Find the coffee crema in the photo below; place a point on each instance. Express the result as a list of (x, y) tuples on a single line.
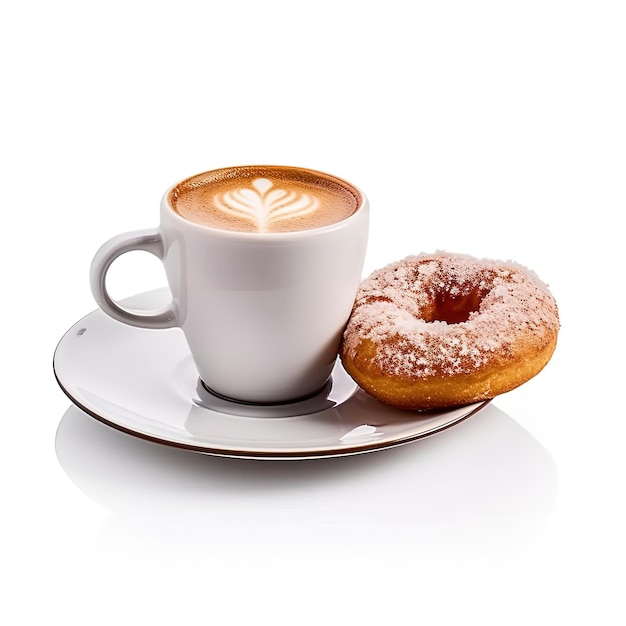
[(264, 199)]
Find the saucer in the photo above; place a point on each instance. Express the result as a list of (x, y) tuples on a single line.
[(144, 383)]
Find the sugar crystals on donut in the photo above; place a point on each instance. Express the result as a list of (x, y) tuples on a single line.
[(441, 330)]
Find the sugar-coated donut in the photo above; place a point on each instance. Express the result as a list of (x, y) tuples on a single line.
[(442, 330)]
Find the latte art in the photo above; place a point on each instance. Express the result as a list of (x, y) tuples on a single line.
[(264, 206), (264, 199)]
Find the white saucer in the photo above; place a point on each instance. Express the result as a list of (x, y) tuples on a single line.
[(144, 382)]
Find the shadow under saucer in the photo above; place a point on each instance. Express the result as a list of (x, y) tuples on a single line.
[(486, 482)]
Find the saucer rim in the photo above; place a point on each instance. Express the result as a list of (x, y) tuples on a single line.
[(255, 453)]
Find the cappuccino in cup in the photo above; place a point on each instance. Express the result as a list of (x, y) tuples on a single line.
[(264, 199), (263, 263)]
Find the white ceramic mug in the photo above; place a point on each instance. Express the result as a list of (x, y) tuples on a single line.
[(263, 313)]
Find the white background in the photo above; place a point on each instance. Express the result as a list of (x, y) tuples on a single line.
[(491, 128)]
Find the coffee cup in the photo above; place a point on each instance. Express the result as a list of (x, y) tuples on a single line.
[(263, 264)]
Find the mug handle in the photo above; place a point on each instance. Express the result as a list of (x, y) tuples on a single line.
[(148, 240)]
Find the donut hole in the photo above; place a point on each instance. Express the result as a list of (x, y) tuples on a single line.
[(454, 309)]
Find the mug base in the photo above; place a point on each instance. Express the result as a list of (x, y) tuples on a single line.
[(338, 388)]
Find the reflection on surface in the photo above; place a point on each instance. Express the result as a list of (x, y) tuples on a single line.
[(485, 483)]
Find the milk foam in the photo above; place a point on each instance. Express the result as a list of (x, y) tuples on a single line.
[(263, 205)]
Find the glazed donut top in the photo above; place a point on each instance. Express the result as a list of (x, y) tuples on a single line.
[(448, 314)]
